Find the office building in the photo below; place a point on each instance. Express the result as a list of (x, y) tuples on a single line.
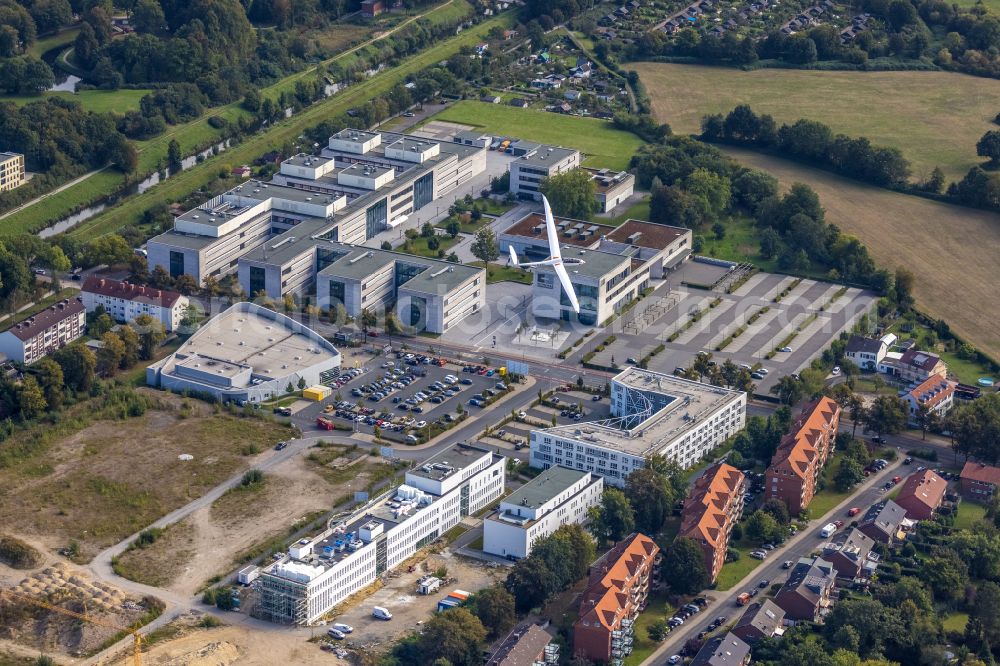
[(617, 591), (247, 354), (44, 332), (320, 572), (536, 164), (714, 505), (612, 188), (11, 171), (619, 263), (651, 413), (801, 455), (125, 301), (556, 497)]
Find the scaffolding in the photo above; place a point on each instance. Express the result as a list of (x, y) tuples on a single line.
[(280, 601)]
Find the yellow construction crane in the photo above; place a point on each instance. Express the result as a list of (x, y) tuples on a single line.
[(136, 636)]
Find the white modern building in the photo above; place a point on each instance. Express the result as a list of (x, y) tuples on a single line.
[(556, 497), (125, 301), (11, 171), (351, 554), (651, 413), (247, 354), (529, 170), (619, 263), (44, 332)]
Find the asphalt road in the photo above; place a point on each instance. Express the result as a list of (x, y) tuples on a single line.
[(801, 545)]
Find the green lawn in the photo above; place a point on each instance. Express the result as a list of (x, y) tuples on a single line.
[(98, 101), (602, 144), (956, 622), (913, 111), (969, 513), (829, 497), (637, 211), (418, 246), (657, 607), (733, 572), (64, 38), (500, 273), (741, 243)]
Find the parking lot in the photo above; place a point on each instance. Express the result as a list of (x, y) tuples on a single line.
[(567, 406), (746, 326), (402, 395)]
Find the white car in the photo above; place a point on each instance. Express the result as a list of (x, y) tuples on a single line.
[(420, 424), (836, 370), (343, 628), (335, 634), (676, 659)]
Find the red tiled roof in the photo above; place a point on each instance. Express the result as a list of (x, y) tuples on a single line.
[(933, 390), (919, 359), (704, 516), (36, 323), (130, 292), (924, 487), (604, 598), (983, 473), (797, 450)]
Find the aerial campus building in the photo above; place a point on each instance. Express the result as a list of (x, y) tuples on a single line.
[(651, 413), (618, 263), (247, 353), (318, 573), (296, 234)]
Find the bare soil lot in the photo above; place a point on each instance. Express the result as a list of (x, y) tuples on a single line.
[(114, 477), (951, 250)]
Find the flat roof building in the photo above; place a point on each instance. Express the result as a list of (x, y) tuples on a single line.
[(44, 332), (320, 572), (247, 353), (11, 171), (556, 497), (651, 413), (538, 163), (612, 187)]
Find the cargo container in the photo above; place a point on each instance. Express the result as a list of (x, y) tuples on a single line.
[(460, 594), (448, 603), (317, 393), (248, 574), (428, 585)]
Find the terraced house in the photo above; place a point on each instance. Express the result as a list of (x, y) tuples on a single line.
[(801, 455), (616, 593), (715, 505)]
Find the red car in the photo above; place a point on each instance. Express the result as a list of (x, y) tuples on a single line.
[(897, 479), (838, 523), (853, 511)]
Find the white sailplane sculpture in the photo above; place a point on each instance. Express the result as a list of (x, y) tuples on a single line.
[(555, 259)]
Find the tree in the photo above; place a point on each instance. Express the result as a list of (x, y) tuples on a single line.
[(151, 334), (849, 474), (50, 378), (110, 355), (886, 414), (571, 194), (455, 635), (130, 343), (763, 528), (658, 630), (148, 17), (946, 574), (986, 609), (612, 519), (454, 228), (976, 428), (903, 287), (788, 389), (530, 582), (31, 399), (174, 155), (79, 366), (494, 607), (485, 247), (702, 364), (651, 498), (777, 509), (683, 567)]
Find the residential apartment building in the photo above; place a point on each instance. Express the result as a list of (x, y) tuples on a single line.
[(125, 301), (936, 394), (619, 263), (714, 505), (807, 592), (922, 494), (44, 332), (762, 619), (866, 353), (529, 170), (725, 650), (531, 646), (850, 553), (884, 522), (318, 573), (279, 236), (914, 365), (979, 481), (651, 413), (616, 593), (556, 497), (801, 455), (11, 171)]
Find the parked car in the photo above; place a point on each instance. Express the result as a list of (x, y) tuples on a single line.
[(380, 613), (853, 511), (758, 554), (764, 582), (280, 445), (335, 634), (343, 628)]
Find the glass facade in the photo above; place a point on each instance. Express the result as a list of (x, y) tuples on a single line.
[(406, 272), (423, 191), (336, 292), (176, 263), (376, 218), (418, 306), (258, 282)]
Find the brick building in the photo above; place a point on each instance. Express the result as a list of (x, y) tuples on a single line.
[(801, 455), (715, 505), (921, 494), (979, 481)]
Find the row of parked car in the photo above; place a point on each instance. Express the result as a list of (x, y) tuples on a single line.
[(686, 611)]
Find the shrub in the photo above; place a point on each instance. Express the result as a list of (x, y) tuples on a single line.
[(18, 554)]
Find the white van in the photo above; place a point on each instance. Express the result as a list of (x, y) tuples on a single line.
[(380, 613), (828, 530)]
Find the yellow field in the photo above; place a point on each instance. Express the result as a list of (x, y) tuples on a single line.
[(935, 118), (951, 250)]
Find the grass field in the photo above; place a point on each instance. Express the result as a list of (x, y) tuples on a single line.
[(935, 118), (969, 513), (951, 250), (98, 101), (657, 607), (734, 572), (956, 622), (500, 273), (64, 38), (602, 144)]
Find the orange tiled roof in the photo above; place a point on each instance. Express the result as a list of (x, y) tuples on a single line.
[(925, 487), (933, 390), (704, 516), (797, 451), (605, 598), (981, 472)]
